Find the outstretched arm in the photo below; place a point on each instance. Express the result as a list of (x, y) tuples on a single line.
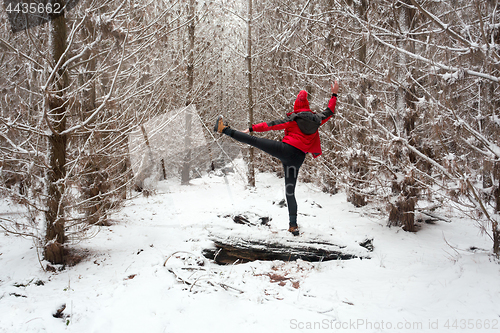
[(275, 125), (330, 110)]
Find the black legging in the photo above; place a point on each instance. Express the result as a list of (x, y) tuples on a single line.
[(291, 157)]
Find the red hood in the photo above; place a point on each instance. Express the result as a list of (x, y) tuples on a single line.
[(301, 103)]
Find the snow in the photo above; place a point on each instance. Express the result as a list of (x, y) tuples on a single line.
[(414, 282), (496, 119)]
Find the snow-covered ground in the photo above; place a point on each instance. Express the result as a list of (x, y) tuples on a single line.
[(430, 281)]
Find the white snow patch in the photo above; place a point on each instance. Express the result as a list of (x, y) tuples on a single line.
[(413, 280)]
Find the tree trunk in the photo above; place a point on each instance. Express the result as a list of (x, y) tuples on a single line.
[(403, 211), (496, 195), (357, 165), (92, 179), (496, 238), (496, 192), (251, 165), (56, 173), (186, 167)]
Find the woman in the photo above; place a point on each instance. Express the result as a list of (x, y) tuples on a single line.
[(301, 137)]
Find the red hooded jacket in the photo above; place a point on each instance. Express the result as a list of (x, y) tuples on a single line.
[(299, 122)]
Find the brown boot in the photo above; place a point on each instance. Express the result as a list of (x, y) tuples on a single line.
[(219, 125), (294, 230)]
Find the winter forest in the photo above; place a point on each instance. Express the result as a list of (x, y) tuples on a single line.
[(417, 117), (416, 128)]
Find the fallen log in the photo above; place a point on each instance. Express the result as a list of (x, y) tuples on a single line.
[(237, 249)]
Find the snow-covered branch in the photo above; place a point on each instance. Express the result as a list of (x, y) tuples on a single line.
[(437, 64)]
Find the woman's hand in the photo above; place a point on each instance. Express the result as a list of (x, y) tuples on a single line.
[(246, 131), (335, 87)]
